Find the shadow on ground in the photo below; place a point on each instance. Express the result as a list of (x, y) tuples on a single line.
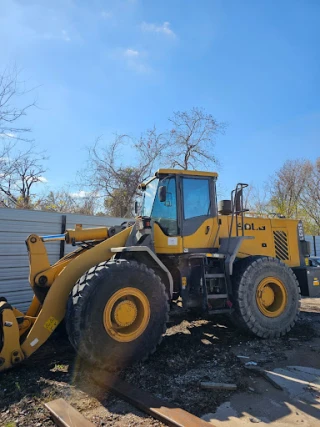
[(193, 350)]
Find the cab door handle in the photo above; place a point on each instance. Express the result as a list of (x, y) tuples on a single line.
[(207, 229)]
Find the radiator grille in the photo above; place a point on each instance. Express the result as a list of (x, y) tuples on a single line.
[(281, 245)]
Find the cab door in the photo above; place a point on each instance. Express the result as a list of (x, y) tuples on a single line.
[(199, 216), (166, 236)]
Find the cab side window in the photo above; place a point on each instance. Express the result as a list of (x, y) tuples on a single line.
[(196, 197)]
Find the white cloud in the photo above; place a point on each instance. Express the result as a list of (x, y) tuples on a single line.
[(139, 67), (79, 194), (37, 179), (65, 36), (8, 135), (131, 53), (154, 28), (42, 179), (62, 35), (136, 61), (106, 14)]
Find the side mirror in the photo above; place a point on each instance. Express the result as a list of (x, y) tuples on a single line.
[(162, 193), (136, 207)]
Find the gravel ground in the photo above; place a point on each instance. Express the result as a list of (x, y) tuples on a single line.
[(192, 350)]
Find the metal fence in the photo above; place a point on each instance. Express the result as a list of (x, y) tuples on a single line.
[(15, 226), (314, 245)]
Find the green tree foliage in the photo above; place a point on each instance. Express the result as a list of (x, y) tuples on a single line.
[(66, 202)]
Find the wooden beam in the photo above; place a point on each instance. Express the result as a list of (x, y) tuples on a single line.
[(65, 415), (162, 410)]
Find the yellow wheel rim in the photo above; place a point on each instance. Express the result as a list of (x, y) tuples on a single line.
[(271, 297), (126, 314)]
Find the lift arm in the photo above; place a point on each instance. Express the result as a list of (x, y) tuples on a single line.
[(54, 306)]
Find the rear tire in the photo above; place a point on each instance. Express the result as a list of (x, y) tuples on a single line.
[(99, 299), (267, 297)]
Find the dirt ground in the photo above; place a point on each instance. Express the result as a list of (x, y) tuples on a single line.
[(192, 350)]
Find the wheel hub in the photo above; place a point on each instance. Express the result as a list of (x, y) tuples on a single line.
[(267, 296), (125, 313), (271, 297)]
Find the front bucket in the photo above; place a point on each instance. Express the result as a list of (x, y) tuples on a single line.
[(10, 350)]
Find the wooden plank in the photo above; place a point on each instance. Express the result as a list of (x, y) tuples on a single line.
[(65, 415), (217, 386), (162, 410)]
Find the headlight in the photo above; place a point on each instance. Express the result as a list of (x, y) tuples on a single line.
[(301, 231)]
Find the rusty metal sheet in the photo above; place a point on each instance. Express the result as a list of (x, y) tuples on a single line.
[(164, 411)]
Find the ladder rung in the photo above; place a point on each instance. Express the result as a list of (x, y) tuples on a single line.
[(221, 310), (214, 276), (217, 296)]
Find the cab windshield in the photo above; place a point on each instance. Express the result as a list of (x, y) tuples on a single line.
[(163, 213), (148, 197)]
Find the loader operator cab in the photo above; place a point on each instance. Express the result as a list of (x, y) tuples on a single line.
[(113, 290), (179, 201)]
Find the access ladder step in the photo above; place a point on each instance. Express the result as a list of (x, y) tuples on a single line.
[(214, 276), (217, 296), (221, 311), (218, 255)]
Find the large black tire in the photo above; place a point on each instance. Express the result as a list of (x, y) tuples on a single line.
[(248, 274), (85, 314)]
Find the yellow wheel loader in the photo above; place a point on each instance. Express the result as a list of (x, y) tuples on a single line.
[(116, 288)]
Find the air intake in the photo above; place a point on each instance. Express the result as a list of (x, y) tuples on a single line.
[(281, 245)]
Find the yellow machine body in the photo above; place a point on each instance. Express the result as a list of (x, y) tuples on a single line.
[(264, 231), (61, 278), (177, 238)]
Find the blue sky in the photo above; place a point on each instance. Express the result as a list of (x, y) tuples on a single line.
[(105, 66)]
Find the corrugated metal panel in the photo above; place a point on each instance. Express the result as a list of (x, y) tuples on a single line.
[(25, 227), (310, 240), (28, 215), (93, 221), (22, 297), (314, 244), (15, 226), (317, 239)]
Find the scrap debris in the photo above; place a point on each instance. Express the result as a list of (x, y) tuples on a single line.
[(264, 374)]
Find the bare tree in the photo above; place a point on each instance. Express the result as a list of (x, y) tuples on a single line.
[(288, 186), (11, 89), (257, 200), (294, 192), (188, 144), (191, 140), (20, 170), (115, 181), (310, 197)]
